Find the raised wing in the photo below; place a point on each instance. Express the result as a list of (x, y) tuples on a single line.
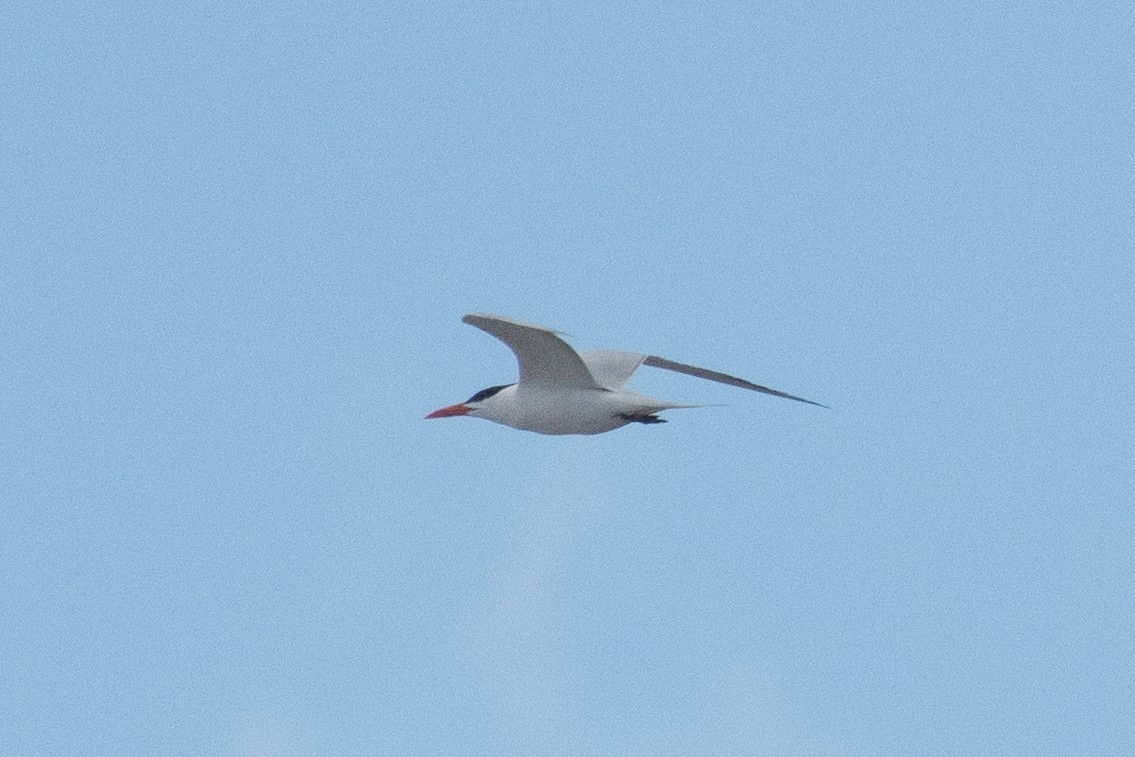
[(612, 368), (691, 370), (544, 358)]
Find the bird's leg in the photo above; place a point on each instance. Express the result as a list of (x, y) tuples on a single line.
[(641, 418)]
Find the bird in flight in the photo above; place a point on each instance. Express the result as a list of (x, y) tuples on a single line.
[(562, 391)]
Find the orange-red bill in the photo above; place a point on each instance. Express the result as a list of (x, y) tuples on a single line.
[(450, 410)]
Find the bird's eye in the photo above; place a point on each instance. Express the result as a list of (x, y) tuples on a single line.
[(484, 394)]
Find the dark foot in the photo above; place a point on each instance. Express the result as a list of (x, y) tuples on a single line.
[(641, 418)]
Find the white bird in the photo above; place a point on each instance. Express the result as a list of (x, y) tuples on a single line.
[(564, 392)]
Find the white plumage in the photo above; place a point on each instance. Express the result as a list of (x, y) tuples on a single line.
[(561, 391)]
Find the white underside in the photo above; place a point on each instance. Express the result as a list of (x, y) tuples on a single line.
[(574, 411)]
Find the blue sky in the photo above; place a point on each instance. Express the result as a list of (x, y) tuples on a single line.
[(238, 244)]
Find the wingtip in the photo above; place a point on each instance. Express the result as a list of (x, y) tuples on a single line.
[(809, 402), (479, 318)]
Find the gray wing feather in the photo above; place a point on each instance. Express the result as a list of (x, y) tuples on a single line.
[(612, 368), (691, 370), (543, 358)]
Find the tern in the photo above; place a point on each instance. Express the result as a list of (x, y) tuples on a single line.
[(562, 391)]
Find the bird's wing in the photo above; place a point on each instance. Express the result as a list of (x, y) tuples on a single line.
[(691, 370), (544, 359), (612, 368)]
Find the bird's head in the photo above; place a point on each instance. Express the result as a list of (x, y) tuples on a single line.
[(480, 404)]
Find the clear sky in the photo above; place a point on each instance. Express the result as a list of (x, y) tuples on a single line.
[(237, 243)]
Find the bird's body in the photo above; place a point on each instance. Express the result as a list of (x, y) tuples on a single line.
[(561, 391), (568, 411)]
